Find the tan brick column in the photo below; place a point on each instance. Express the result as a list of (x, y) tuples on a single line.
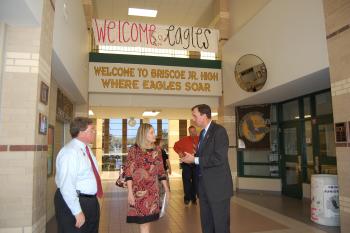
[(338, 41), (23, 151), (226, 115)]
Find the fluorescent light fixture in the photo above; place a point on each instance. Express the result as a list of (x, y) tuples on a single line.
[(91, 113), (150, 113), (214, 114), (142, 12), (296, 117), (307, 116)]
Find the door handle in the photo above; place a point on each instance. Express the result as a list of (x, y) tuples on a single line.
[(317, 165), (299, 164)]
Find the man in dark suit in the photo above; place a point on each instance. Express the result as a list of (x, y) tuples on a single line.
[(215, 181)]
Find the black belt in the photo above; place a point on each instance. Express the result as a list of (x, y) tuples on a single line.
[(82, 194), (87, 195)]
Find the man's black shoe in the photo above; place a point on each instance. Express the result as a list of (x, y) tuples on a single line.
[(194, 202), (187, 202)]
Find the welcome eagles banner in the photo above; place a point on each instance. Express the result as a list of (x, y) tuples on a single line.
[(125, 33)]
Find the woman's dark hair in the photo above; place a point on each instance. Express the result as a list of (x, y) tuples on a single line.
[(79, 124), (203, 109)]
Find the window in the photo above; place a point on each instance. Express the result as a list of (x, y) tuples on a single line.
[(262, 163), (153, 122), (307, 108), (116, 135), (132, 131), (327, 144), (324, 104), (290, 110), (165, 129)]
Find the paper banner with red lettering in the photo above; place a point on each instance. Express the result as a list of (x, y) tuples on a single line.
[(125, 33)]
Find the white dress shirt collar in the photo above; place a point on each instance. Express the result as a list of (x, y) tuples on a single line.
[(79, 143), (207, 127)]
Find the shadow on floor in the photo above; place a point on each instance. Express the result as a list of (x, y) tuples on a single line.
[(291, 207), (182, 219)]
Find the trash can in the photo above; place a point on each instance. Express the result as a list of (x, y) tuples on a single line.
[(325, 200)]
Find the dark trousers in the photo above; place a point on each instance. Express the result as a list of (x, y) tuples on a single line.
[(215, 216), (189, 181), (66, 220)]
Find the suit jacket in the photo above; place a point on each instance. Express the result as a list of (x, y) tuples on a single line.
[(213, 162)]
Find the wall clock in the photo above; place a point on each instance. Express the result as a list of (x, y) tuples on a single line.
[(250, 73)]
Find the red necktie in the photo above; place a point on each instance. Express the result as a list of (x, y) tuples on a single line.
[(97, 176)]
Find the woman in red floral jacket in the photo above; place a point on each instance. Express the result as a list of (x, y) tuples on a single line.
[(143, 169)]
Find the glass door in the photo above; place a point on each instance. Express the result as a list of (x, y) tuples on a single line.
[(291, 160), (307, 141), (324, 143), (325, 159)]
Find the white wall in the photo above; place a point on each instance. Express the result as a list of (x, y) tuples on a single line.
[(165, 101), (241, 11), (2, 53), (290, 38), (71, 48), (259, 184), (173, 137)]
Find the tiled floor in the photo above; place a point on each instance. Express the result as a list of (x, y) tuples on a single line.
[(250, 213)]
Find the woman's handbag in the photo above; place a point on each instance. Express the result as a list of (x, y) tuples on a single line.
[(121, 182)]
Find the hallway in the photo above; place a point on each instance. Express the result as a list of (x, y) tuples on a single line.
[(246, 216)]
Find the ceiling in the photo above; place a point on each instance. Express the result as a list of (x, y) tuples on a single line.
[(178, 12), (165, 113), (21, 12)]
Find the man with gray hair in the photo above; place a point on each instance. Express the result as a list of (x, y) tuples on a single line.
[(78, 182)]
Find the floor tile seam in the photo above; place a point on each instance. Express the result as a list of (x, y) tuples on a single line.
[(275, 216)]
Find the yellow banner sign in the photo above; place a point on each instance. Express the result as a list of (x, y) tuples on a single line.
[(154, 79)]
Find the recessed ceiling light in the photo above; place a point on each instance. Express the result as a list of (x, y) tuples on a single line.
[(142, 12), (214, 114), (91, 113), (150, 113)]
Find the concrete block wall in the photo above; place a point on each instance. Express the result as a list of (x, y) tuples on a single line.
[(26, 62), (337, 20)]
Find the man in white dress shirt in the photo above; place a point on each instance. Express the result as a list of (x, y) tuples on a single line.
[(78, 182)]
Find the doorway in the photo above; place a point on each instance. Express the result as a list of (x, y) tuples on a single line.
[(307, 141), (291, 150)]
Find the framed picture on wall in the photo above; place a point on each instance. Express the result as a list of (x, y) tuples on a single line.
[(253, 126), (44, 93), (42, 124), (340, 132), (50, 149)]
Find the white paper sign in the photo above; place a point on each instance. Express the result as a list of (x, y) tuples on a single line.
[(125, 33)]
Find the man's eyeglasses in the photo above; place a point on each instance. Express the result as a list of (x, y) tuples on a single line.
[(90, 131)]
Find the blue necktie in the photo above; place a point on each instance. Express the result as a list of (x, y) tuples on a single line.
[(201, 139)]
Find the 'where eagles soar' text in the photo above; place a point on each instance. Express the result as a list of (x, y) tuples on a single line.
[(156, 79)]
